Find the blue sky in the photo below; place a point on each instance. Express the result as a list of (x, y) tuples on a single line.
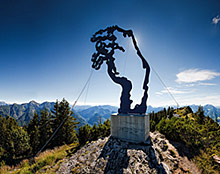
[(45, 50)]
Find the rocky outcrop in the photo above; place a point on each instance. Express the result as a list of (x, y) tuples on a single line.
[(113, 156)]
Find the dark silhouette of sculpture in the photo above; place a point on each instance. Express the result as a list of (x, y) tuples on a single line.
[(105, 46)]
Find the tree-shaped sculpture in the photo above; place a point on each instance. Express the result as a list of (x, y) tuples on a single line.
[(105, 48)]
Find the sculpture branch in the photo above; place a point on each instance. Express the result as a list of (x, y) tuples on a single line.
[(105, 52)]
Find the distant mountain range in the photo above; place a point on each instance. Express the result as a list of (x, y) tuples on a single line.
[(23, 113), (96, 114), (86, 114), (2, 103), (209, 110)]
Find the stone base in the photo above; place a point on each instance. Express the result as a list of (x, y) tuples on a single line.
[(130, 127)]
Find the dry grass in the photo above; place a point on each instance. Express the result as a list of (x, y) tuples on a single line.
[(183, 113), (47, 162), (5, 169)]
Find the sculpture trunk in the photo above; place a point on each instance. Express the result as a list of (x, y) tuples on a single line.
[(126, 85)]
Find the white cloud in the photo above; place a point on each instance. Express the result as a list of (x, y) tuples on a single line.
[(195, 75), (172, 91), (216, 20)]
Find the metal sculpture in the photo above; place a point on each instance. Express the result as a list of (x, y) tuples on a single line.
[(105, 48)]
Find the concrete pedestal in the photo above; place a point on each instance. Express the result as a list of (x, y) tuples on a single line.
[(130, 127)]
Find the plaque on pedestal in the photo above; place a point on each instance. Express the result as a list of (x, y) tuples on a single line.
[(130, 127)]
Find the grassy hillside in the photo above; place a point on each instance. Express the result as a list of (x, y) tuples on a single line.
[(47, 162), (18, 144), (198, 133)]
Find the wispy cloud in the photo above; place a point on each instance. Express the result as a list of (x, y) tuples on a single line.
[(190, 84), (184, 100), (200, 100), (172, 91), (199, 84), (195, 75), (216, 20), (207, 84)]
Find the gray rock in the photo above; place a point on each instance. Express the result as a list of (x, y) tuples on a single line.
[(112, 156)]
